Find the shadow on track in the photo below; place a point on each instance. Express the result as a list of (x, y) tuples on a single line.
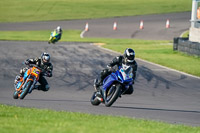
[(60, 100), (149, 75), (155, 109)]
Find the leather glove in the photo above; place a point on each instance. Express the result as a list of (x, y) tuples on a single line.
[(49, 74), (26, 62), (110, 68)]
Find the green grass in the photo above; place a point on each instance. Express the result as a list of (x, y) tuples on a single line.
[(164, 55), (44, 10), (22, 120), (160, 52), (186, 34), (16, 119)]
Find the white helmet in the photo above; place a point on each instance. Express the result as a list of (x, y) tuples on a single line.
[(59, 29)]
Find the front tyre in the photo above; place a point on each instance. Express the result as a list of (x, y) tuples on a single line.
[(94, 101), (50, 40), (25, 90), (112, 94), (15, 95)]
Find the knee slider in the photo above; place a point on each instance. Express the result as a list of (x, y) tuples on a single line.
[(47, 87), (21, 71)]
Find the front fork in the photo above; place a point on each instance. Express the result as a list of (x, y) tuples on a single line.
[(33, 85), (27, 79), (21, 86)]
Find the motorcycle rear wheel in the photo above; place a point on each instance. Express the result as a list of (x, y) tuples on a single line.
[(25, 90), (94, 101)]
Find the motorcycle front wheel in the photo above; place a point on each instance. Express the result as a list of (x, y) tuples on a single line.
[(52, 40), (25, 90), (15, 95), (112, 94)]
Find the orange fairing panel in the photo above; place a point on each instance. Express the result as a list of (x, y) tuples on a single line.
[(35, 72)]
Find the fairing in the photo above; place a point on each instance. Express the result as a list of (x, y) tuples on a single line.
[(124, 76)]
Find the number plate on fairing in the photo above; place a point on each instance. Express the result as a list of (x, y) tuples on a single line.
[(126, 72)]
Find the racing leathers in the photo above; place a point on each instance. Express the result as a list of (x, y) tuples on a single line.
[(58, 36)]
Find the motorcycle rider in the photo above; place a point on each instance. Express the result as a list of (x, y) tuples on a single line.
[(127, 58), (58, 30), (42, 62)]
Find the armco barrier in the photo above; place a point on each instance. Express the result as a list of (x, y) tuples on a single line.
[(186, 46)]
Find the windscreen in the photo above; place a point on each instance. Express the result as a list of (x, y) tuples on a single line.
[(126, 72)]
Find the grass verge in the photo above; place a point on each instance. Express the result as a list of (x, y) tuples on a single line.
[(185, 34), (160, 52), (23, 120), (45, 10)]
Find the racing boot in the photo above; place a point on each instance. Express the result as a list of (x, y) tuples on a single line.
[(17, 79), (40, 87), (35, 88), (97, 84)]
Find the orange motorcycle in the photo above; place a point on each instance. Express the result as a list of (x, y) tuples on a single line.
[(28, 82)]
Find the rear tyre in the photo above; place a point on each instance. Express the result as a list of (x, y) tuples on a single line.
[(25, 90), (112, 94), (94, 101), (15, 95)]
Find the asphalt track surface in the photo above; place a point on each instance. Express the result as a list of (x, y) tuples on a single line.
[(127, 27), (160, 94)]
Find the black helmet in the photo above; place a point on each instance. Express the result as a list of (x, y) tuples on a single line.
[(129, 55), (45, 58)]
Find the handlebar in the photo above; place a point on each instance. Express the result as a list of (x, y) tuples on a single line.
[(33, 65), (43, 71)]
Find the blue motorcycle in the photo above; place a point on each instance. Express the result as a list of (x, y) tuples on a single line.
[(114, 85)]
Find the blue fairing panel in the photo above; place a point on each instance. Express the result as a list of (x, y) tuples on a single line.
[(109, 80), (18, 84), (25, 74)]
